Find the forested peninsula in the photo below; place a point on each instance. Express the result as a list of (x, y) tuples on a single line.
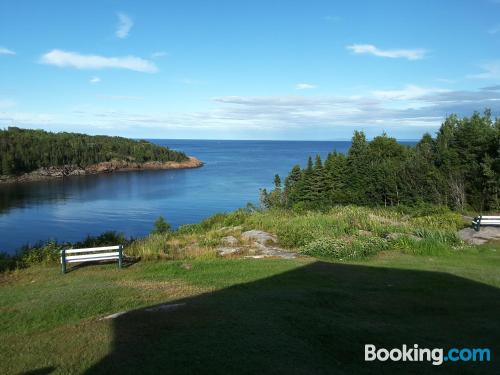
[(31, 155)]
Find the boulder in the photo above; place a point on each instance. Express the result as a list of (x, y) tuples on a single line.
[(224, 251), (259, 236), (470, 236), (230, 241)]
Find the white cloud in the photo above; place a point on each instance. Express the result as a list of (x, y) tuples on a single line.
[(409, 92), (76, 60), (408, 110), (125, 23), (491, 70), (6, 51), (158, 54), (305, 86), (410, 54), (95, 80)]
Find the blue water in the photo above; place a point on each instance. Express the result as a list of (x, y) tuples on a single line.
[(129, 202)]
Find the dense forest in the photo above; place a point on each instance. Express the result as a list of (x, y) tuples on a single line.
[(459, 168), (25, 150)]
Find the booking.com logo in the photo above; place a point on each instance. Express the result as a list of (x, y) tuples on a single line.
[(436, 356)]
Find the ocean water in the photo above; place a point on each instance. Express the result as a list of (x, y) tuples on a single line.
[(129, 202)]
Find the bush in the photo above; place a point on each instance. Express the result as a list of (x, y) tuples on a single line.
[(343, 248), (161, 226), (50, 252)]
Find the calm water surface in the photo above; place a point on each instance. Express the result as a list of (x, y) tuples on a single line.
[(129, 202)]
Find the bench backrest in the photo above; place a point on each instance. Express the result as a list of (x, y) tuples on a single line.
[(485, 220), (91, 254), (490, 221)]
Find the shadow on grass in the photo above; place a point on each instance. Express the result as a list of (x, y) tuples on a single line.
[(41, 371), (127, 262), (312, 320)]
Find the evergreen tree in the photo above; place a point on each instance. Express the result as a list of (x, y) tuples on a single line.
[(291, 193), (161, 226), (24, 150), (459, 168)]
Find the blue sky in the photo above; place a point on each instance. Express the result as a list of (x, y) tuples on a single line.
[(247, 69)]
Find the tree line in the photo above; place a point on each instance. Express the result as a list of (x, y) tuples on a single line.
[(25, 150), (459, 168)]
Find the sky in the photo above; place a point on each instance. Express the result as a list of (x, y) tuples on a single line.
[(287, 70)]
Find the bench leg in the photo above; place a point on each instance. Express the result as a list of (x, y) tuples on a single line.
[(63, 262), (120, 257)]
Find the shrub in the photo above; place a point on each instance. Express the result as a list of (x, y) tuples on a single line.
[(343, 248), (161, 226)]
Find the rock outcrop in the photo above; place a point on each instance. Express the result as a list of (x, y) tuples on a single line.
[(259, 236), (255, 244), (480, 237), (45, 173)]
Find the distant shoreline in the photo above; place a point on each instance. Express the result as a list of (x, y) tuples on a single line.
[(49, 173)]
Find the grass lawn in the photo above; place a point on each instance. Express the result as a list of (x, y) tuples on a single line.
[(255, 316)]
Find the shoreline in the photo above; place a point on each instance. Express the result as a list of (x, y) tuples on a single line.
[(49, 173)]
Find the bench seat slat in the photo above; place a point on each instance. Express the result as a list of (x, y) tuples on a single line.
[(490, 217), (92, 249), (92, 256), (91, 259)]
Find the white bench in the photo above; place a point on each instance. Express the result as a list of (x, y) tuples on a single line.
[(92, 254), (485, 220)]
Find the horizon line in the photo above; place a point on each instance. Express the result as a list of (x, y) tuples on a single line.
[(269, 140)]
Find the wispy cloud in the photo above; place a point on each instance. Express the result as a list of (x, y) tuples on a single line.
[(409, 92), (158, 54), (408, 110), (491, 88), (95, 80), (491, 70), (124, 26), (409, 106), (76, 60), (305, 86), (410, 54), (6, 51)]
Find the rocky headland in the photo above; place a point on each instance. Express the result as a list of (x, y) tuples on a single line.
[(63, 171)]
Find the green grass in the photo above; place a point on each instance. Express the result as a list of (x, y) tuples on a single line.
[(315, 233), (247, 316)]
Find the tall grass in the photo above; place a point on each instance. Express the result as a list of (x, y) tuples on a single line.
[(342, 232)]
